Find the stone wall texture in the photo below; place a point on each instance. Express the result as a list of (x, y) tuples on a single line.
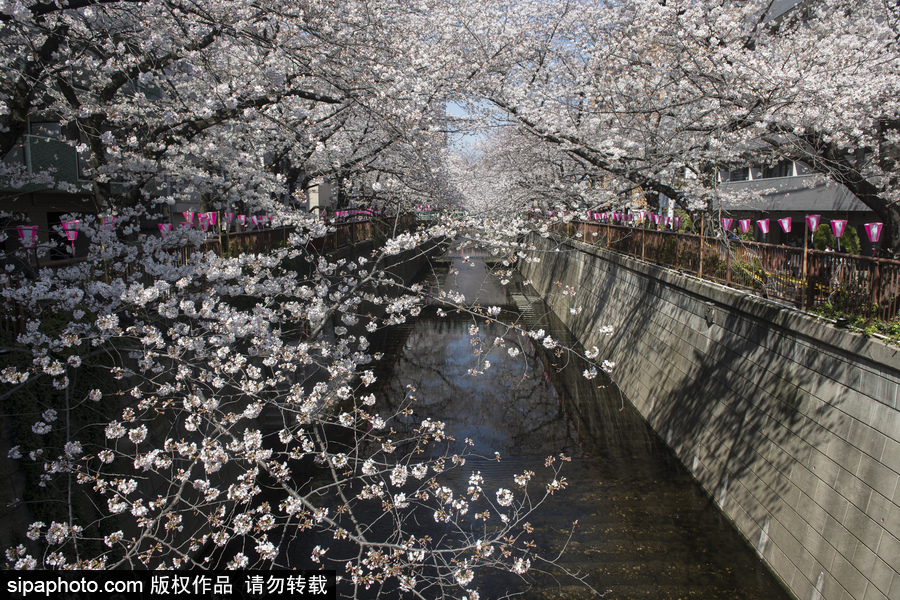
[(791, 425)]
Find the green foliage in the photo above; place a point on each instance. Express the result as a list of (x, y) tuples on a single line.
[(687, 226), (668, 251), (746, 237), (823, 238), (866, 324), (236, 248), (713, 266)]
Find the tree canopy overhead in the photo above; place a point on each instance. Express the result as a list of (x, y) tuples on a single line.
[(230, 100), (139, 374), (663, 95), (255, 102)]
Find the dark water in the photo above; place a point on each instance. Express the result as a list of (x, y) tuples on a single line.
[(644, 528)]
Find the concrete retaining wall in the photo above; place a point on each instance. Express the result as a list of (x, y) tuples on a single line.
[(791, 425)]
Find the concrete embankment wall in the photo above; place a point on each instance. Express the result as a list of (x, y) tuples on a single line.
[(790, 424)]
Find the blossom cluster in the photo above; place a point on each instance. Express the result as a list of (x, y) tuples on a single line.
[(192, 392)]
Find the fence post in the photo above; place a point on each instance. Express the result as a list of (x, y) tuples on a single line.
[(875, 287), (679, 250), (702, 221), (727, 262), (803, 278), (812, 273)]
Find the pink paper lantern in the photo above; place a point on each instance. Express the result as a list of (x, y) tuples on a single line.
[(745, 225), (838, 226), (813, 221), (785, 223), (726, 223), (763, 225), (873, 230), (71, 232), (189, 217), (677, 222), (165, 229), (28, 235), (229, 216)]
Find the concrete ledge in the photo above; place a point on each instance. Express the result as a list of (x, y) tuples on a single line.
[(789, 423)]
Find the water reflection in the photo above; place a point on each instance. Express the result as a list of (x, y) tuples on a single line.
[(509, 407), (471, 277), (645, 529)]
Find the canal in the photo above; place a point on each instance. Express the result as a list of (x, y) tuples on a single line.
[(632, 521)]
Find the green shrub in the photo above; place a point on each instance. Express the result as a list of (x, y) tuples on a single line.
[(824, 238)]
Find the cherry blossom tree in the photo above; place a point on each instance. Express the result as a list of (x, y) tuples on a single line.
[(511, 170), (170, 407), (214, 100), (662, 95), (207, 412)]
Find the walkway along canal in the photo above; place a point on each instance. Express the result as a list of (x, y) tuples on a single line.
[(644, 528)]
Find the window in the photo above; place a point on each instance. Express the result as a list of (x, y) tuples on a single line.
[(47, 130), (16, 155), (742, 174), (785, 168)]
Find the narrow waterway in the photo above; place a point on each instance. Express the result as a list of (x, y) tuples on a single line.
[(644, 528)]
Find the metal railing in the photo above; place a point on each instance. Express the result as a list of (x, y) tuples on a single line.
[(852, 284)]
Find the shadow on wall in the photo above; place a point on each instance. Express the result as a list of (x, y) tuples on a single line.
[(742, 410), (729, 395), (743, 421)]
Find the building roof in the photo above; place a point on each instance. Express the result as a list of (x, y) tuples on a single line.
[(780, 7), (804, 193)]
